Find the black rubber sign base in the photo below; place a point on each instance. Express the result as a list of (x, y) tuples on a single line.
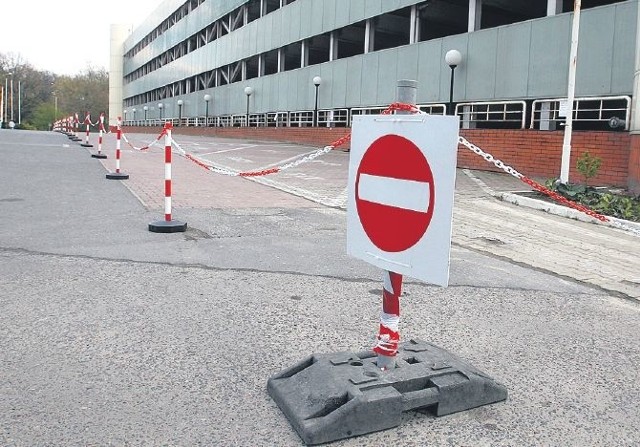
[(86, 145), (99, 155), (117, 176), (170, 226), (334, 396)]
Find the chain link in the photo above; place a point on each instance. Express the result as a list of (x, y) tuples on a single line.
[(544, 190)]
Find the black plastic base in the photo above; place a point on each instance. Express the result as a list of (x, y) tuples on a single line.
[(86, 145), (117, 176), (334, 396), (172, 226), (99, 155)]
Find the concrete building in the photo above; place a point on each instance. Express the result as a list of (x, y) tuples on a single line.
[(317, 63)]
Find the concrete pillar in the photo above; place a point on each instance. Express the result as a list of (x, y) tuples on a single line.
[(369, 36), (475, 15), (554, 7), (119, 34), (414, 31), (304, 54), (333, 46)]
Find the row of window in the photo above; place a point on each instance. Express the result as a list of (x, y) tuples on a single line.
[(174, 18), (590, 113), (221, 27)]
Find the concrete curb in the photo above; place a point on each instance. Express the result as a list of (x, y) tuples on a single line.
[(562, 211)]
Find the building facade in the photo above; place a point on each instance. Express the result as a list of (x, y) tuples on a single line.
[(296, 63)]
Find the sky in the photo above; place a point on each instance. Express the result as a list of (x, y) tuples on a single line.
[(64, 36)]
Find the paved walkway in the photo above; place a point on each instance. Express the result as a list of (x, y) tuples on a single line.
[(596, 254)]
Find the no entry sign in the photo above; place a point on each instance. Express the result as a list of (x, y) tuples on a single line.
[(401, 184)]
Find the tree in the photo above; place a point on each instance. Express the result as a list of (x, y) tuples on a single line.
[(87, 91)]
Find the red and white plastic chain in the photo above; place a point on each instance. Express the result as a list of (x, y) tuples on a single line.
[(274, 170), (337, 143), (148, 146), (544, 190)]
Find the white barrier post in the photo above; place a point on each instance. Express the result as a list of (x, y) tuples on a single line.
[(101, 131), (168, 225), (87, 122), (118, 175)]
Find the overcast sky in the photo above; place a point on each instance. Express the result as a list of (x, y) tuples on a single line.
[(65, 36)]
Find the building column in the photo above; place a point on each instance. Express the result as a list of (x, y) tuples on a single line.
[(414, 31), (369, 36), (633, 179), (119, 34), (280, 60), (554, 7), (304, 53), (475, 15), (333, 46)]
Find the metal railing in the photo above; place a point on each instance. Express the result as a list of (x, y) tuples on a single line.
[(544, 112), (301, 118), (333, 118), (509, 112)]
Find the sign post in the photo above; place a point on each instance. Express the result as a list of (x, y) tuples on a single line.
[(394, 195), (401, 185)]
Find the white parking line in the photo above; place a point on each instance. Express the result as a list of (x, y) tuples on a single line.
[(229, 150)]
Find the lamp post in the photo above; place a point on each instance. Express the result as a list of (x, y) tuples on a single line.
[(145, 108), (11, 98), (134, 114), (207, 98), (180, 102), (160, 106), (316, 81), (248, 91), (453, 58)]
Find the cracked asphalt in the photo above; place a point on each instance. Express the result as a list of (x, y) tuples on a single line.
[(112, 335)]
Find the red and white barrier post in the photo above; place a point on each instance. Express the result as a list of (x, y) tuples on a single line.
[(168, 225), (87, 122), (118, 175), (101, 131), (389, 332), (76, 123)]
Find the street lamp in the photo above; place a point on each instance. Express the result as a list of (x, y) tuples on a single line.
[(453, 58), (180, 102), (134, 113), (160, 106), (316, 81), (248, 91), (145, 108), (207, 98)]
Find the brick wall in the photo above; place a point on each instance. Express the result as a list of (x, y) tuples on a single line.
[(634, 164), (538, 153), (534, 153)]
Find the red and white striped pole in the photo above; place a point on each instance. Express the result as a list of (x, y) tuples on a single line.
[(389, 332), (168, 225), (100, 132), (76, 123), (118, 175), (87, 122)]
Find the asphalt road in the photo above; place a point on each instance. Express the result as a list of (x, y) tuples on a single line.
[(112, 335)]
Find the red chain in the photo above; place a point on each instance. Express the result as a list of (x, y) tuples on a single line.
[(559, 198)]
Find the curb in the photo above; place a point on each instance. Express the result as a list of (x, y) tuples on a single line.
[(562, 211)]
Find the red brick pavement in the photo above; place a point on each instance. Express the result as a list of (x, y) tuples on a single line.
[(193, 186)]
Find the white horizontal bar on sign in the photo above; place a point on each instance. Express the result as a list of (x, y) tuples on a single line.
[(399, 193)]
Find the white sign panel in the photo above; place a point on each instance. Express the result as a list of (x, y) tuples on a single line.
[(401, 185)]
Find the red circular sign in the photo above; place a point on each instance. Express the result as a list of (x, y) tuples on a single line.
[(394, 166)]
